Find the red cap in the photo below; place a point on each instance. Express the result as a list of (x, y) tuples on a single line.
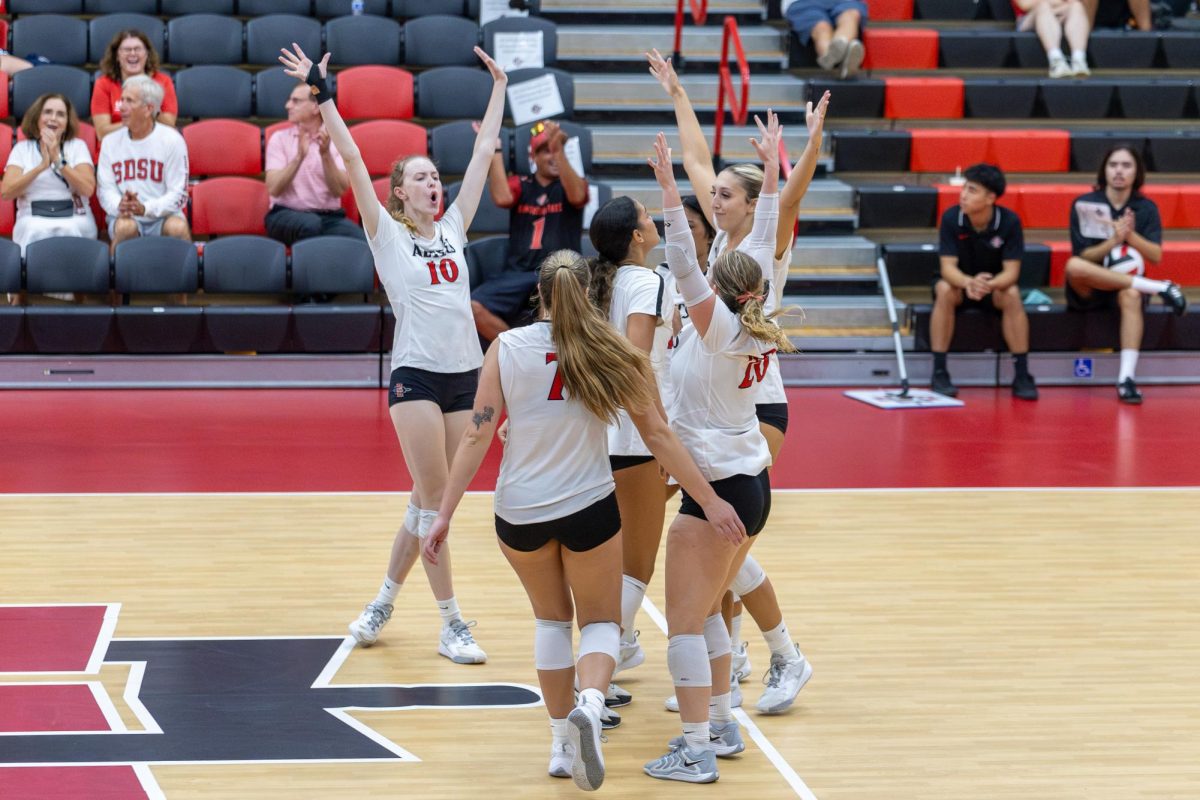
[(539, 139)]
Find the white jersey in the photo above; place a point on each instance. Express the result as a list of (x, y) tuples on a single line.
[(770, 388), (555, 462), (427, 284), (637, 290), (155, 168), (50, 185)]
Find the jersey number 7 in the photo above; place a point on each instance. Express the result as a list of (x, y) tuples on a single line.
[(556, 388)]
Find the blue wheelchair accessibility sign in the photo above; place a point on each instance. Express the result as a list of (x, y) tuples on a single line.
[(1083, 368)]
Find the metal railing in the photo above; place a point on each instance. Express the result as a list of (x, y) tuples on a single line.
[(738, 109), (699, 9)]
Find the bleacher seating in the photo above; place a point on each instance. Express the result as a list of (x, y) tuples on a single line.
[(102, 29), (364, 40), (383, 141)]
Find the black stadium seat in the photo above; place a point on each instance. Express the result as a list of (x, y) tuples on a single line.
[(548, 30), (62, 39), (486, 258), (246, 265), (30, 84), (45, 6), (177, 8), (1154, 99), (328, 9), (453, 93), (120, 6), (534, 7), (408, 9), (265, 36), (67, 264), (452, 144), (1003, 98), (10, 266), (213, 91), (489, 218), (438, 40), (204, 39), (273, 86), (335, 265), (975, 49), (258, 8), (364, 40), (156, 264), (101, 31), (566, 86)]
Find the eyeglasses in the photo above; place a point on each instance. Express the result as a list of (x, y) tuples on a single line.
[(126, 51)]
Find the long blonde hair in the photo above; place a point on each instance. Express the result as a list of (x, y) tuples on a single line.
[(599, 367), (395, 206), (749, 177), (738, 282)]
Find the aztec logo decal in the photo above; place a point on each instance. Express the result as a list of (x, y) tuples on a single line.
[(226, 700)]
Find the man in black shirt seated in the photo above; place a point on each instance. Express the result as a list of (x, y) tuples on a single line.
[(980, 244), (1115, 230)]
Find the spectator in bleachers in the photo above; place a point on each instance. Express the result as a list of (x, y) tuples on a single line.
[(50, 174), (547, 215), (833, 27), (1120, 14), (306, 178), (980, 245), (129, 53), (1115, 230), (143, 169), (1051, 20)]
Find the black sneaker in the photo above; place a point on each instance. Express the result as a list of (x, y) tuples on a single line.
[(1024, 387), (1173, 297), (1127, 392), (942, 385)]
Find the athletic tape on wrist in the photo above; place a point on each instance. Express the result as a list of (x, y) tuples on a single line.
[(319, 86)]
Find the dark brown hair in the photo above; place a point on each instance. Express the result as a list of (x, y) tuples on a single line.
[(29, 122), (110, 65)]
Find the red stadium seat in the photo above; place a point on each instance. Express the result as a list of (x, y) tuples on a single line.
[(383, 141), (351, 207), (271, 130), (1059, 253), (4, 94), (8, 217), (1187, 214), (381, 188), (944, 150), (1031, 150), (890, 10), (1166, 197), (1180, 263), (6, 142), (223, 147), (1047, 205), (86, 132), (923, 98), (375, 92), (223, 206), (901, 48)]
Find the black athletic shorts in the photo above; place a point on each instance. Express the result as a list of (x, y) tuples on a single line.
[(1098, 300), (773, 414), (625, 462), (584, 530), (750, 496), (967, 304), (452, 391)]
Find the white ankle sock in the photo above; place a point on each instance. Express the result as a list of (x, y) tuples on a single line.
[(593, 698), (1129, 359), (632, 592), (735, 631), (388, 591), (1147, 286), (449, 610), (695, 734), (558, 729), (719, 709), (1079, 55), (780, 641), (1056, 53)]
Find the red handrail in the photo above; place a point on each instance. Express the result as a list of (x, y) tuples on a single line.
[(699, 9), (737, 110)]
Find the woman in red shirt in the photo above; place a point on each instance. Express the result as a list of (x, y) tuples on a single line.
[(129, 53)]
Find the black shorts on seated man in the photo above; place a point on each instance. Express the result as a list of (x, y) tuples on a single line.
[(980, 249)]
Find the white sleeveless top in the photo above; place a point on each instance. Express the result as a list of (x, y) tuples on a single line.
[(428, 286), (637, 290), (556, 459)]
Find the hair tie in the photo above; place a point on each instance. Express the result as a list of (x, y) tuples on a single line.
[(745, 297)]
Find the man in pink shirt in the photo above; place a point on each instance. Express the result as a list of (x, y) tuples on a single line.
[(306, 178)]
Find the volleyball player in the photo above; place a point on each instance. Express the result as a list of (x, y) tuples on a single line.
[(712, 410), (435, 352), (728, 200), (563, 380), (635, 299)]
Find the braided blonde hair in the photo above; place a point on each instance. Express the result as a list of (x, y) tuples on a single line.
[(737, 280)]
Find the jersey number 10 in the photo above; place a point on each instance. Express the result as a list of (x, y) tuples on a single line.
[(448, 269)]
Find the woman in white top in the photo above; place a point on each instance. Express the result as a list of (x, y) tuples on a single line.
[(728, 200), (435, 353), (563, 380), (712, 411), (637, 303), (50, 174)]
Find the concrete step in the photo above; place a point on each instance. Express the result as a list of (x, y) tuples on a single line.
[(835, 315), (633, 144), (824, 198), (854, 254), (611, 94), (625, 46), (746, 12)]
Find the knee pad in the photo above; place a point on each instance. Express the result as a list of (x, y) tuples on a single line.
[(716, 637), (600, 637), (426, 522), (749, 577), (687, 658), (412, 519), (552, 644)]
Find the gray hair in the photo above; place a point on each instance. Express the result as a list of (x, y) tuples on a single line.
[(148, 88)]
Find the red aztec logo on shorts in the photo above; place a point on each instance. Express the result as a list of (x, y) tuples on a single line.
[(400, 390)]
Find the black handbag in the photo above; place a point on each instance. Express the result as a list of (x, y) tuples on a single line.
[(52, 208)]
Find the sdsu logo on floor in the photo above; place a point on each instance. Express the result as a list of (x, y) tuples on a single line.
[(195, 700)]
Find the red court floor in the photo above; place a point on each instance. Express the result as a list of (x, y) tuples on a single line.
[(342, 440)]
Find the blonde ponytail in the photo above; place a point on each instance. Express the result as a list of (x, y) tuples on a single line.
[(737, 279)]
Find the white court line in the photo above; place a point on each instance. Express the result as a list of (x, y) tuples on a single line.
[(785, 769), (149, 784)]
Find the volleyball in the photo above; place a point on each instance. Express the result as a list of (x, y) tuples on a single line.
[(1126, 260)]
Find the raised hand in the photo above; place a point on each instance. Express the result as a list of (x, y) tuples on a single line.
[(660, 162), (768, 146), (498, 75), (555, 136), (50, 146), (815, 118), (475, 127), (663, 72), (297, 64)]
